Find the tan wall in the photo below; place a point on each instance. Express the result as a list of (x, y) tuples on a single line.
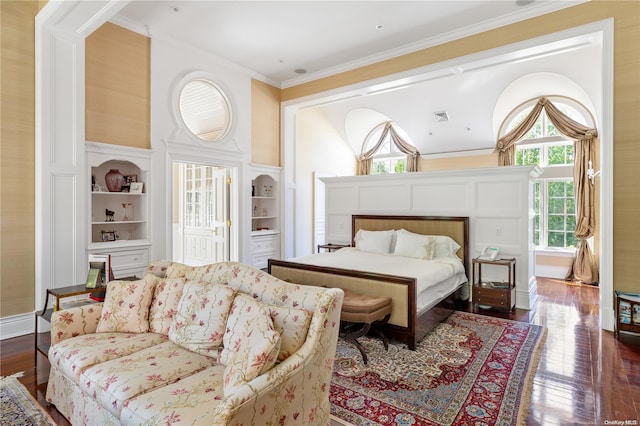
[(118, 87), (470, 162), (265, 124), (626, 14), (17, 157)]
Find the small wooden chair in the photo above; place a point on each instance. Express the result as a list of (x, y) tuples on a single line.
[(362, 313)]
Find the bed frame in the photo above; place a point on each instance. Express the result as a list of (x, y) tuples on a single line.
[(405, 324)]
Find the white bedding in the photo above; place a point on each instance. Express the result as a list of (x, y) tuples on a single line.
[(435, 278)]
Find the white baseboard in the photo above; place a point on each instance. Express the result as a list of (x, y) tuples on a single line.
[(555, 272), (16, 325)]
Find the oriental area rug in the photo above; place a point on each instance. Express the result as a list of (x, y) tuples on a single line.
[(18, 407), (471, 369)]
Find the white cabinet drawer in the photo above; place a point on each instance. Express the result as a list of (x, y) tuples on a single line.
[(130, 259), (262, 261), (266, 243)]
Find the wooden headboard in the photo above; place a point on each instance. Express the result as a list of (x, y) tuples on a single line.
[(455, 227)]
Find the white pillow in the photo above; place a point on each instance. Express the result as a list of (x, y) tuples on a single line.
[(374, 241), (445, 247), (409, 244)]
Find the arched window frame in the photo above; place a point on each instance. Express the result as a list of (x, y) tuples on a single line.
[(388, 158)]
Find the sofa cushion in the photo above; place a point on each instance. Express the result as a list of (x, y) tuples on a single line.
[(158, 268), (201, 317), (164, 304), (215, 273), (190, 401), (126, 307), (113, 382), (255, 343), (178, 270), (96, 348), (292, 324)]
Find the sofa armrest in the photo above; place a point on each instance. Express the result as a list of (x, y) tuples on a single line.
[(75, 321), (295, 391)]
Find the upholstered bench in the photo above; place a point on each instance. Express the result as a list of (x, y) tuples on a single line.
[(362, 313)]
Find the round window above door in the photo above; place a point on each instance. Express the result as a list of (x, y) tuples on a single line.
[(204, 109)]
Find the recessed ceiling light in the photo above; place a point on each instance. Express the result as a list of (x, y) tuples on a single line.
[(441, 116), (379, 27), (300, 71), (175, 9)]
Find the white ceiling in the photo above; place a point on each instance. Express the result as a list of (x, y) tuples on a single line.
[(272, 39)]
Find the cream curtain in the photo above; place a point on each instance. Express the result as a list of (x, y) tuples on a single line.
[(366, 159), (583, 267)]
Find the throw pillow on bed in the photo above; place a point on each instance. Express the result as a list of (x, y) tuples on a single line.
[(374, 241), (446, 246), (126, 307), (409, 244), (201, 317), (256, 343)]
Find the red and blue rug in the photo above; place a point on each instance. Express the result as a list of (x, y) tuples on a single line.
[(470, 370)]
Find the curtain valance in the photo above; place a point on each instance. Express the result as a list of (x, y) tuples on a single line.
[(366, 159)]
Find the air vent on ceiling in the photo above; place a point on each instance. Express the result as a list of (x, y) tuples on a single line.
[(441, 116)]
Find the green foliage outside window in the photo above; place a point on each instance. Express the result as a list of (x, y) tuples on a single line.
[(379, 168), (527, 156), (400, 166), (561, 211)]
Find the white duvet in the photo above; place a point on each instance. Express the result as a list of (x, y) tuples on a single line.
[(434, 278)]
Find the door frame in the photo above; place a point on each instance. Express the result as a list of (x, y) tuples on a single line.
[(235, 169)]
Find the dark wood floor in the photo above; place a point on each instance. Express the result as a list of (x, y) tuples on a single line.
[(585, 375)]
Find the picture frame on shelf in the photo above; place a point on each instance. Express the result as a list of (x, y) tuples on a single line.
[(107, 236), (136, 187), (128, 179)]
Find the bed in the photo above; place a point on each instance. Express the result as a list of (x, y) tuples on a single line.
[(414, 311)]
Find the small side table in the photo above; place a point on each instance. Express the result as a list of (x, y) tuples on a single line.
[(494, 294), (332, 247), (627, 313), (45, 314)]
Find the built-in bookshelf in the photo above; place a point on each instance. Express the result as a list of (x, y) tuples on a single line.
[(265, 214), (118, 219)]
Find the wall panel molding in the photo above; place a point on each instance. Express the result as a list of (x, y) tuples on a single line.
[(497, 200)]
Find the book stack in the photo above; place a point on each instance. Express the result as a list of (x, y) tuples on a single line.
[(627, 316)]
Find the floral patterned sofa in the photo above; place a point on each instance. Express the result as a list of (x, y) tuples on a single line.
[(221, 344)]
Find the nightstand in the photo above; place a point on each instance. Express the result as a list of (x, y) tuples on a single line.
[(331, 247), (496, 294), (627, 313)]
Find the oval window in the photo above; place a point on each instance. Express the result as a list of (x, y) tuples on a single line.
[(205, 110)]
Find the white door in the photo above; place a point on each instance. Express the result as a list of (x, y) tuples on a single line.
[(204, 214)]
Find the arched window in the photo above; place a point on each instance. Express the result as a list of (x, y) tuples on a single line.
[(391, 154), (544, 145)]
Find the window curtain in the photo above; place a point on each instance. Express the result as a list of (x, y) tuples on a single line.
[(366, 159), (584, 267)]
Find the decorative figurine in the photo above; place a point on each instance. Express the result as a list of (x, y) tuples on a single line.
[(109, 214)]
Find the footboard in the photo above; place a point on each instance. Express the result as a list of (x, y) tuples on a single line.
[(402, 290)]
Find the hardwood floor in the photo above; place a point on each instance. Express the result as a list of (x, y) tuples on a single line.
[(585, 375)]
